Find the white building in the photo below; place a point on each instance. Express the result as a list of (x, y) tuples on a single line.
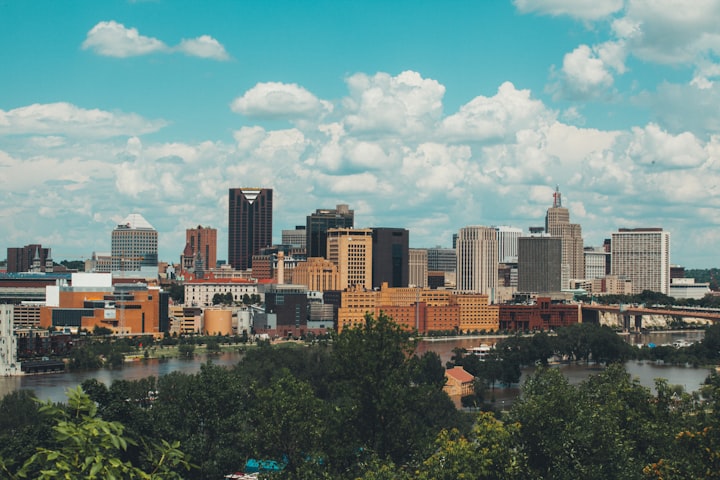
[(595, 262), (687, 288), (507, 240), (8, 343), (418, 263), (642, 255), (477, 260), (201, 293), (134, 245)]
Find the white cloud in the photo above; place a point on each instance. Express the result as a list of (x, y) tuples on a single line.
[(406, 104), (497, 117), (651, 146), (582, 9), (203, 46), (279, 100), (66, 119), (587, 72), (113, 39)]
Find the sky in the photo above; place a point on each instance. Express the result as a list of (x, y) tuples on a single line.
[(426, 115)]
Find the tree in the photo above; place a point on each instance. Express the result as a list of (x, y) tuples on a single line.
[(88, 447)]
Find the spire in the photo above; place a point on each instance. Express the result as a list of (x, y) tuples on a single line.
[(557, 200)]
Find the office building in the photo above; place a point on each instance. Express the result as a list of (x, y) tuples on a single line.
[(596, 262), (320, 222), (557, 224), (317, 274), (507, 239), (418, 260), (250, 214), (539, 264), (643, 256), (203, 247), (295, 238), (351, 251), (133, 245), (477, 260), (441, 259), (390, 256)]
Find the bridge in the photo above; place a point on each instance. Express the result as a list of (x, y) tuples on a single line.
[(590, 313)]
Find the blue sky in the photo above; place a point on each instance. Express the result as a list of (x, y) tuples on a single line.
[(426, 115)]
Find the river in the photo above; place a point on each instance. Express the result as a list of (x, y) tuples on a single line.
[(53, 386)]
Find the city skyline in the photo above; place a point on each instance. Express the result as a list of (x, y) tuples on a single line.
[(426, 116)]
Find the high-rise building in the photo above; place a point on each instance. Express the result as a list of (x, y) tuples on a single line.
[(477, 260), (203, 245), (507, 238), (539, 264), (557, 224), (390, 256), (133, 244), (442, 259), (249, 224), (643, 256), (29, 258), (295, 238), (418, 259), (596, 262), (351, 251), (320, 222)]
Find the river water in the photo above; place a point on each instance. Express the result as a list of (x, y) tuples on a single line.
[(54, 385)]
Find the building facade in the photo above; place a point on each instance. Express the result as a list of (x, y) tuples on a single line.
[(391, 263), (539, 264), (477, 260), (643, 256), (30, 258), (351, 251), (418, 267), (317, 274), (134, 244), (318, 224), (507, 239), (250, 217), (442, 259), (557, 224), (203, 247)]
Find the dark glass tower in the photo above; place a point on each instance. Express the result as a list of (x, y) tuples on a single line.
[(391, 257), (318, 224), (249, 224)]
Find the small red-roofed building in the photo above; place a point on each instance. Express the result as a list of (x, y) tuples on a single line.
[(459, 382)]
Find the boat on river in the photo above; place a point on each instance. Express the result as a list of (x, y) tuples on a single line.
[(481, 351)]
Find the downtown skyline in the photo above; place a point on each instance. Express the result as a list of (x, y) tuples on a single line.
[(421, 115)]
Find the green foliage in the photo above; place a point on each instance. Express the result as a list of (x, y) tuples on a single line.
[(186, 349), (88, 447)]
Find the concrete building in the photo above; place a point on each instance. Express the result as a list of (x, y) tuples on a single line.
[(477, 260), (539, 264), (686, 288), (507, 239), (250, 216), (200, 293), (643, 256), (418, 267), (557, 224), (318, 224), (596, 262), (543, 315), (134, 245), (99, 262), (9, 364), (351, 251), (296, 238), (317, 274), (390, 257)]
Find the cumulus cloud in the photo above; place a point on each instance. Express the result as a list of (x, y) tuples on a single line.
[(66, 119), (497, 117), (582, 9), (382, 104), (279, 100), (113, 39), (651, 146), (204, 47), (588, 72)]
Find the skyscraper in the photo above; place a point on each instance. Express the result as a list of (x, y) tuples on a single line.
[(477, 260), (557, 224), (507, 238), (418, 259), (249, 224), (643, 256), (539, 264), (318, 224), (134, 244), (351, 251), (203, 244), (390, 255)]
